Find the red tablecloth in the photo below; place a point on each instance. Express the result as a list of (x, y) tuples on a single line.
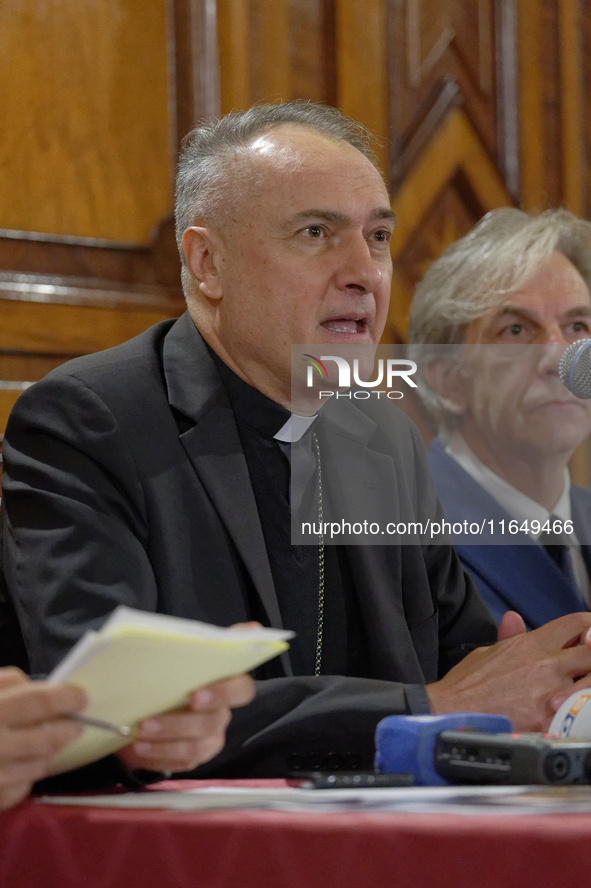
[(44, 846)]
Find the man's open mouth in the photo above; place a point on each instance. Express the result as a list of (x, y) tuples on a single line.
[(349, 325)]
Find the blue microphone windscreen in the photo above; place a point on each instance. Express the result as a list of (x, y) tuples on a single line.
[(406, 743)]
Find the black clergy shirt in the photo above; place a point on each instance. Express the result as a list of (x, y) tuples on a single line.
[(295, 569)]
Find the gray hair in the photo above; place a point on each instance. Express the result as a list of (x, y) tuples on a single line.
[(476, 273), (210, 174)]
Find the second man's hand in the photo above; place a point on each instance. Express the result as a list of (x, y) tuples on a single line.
[(525, 676)]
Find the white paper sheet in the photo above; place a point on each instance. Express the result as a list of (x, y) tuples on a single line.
[(464, 800)]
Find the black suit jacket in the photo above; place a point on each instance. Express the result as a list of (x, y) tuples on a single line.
[(125, 482)]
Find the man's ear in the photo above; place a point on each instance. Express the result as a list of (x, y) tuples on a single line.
[(200, 249), (449, 384)]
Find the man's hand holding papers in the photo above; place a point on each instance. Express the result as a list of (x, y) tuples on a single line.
[(180, 741), (183, 740), (169, 681)]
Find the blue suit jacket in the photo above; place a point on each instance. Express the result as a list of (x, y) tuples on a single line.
[(518, 576)]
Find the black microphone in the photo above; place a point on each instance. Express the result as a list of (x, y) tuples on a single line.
[(575, 368)]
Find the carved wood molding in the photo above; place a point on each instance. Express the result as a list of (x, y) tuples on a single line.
[(452, 182), (80, 291), (445, 96), (446, 52), (66, 330), (455, 147)]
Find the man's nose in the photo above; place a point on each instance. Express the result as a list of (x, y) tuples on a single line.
[(358, 269), (549, 355)]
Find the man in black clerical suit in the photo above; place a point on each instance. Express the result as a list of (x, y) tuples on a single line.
[(154, 474)]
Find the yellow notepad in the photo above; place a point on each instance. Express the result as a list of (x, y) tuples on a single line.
[(140, 664)]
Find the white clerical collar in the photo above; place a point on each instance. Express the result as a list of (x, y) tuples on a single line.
[(516, 503), (295, 427)]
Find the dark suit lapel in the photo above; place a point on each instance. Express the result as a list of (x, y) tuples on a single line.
[(362, 481), (580, 498), (525, 577), (522, 574), (586, 550), (213, 446)]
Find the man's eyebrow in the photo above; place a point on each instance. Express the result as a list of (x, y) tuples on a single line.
[(579, 310), (341, 218), (521, 312), (516, 310), (384, 213)]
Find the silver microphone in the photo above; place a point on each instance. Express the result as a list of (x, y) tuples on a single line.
[(575, 368)]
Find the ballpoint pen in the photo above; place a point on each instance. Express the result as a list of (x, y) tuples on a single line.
[(122, 730)]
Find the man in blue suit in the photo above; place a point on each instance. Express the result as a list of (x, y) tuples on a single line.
[(508, 427)]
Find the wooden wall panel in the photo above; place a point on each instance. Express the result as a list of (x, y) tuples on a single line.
[(84, 104), (476, 103), (572, 101), (273, 50), (539, 104), (453, 126), (468, 43), (438, 39), (584, 33), (68, 330), (234, 48), (361, 66), (95, 99), (312, 50)]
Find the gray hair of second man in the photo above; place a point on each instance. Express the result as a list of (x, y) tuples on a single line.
[(481, 270), (210, 175)]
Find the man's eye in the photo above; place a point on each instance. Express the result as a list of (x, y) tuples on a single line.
[(514, 330), (580, 327), (313, 231), (383, 236)]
